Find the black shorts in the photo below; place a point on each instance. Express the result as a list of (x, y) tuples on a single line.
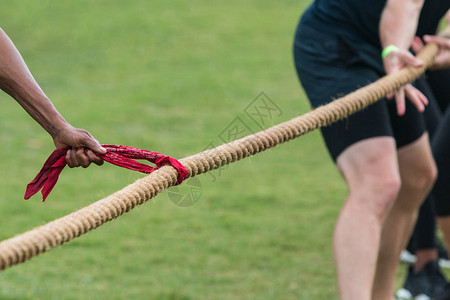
[(329, 68)]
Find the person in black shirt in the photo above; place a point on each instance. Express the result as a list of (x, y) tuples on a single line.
[(424, 276), (383, 151)]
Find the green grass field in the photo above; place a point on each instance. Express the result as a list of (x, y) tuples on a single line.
[(169, 76)]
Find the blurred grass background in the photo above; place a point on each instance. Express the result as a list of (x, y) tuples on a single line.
[(169, 76)]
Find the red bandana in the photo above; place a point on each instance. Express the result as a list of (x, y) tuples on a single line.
[(121, 156)]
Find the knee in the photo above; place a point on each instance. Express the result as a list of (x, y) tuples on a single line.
[(378, 193), (388, 187), (420, 177), (385, 191), (370, 168)]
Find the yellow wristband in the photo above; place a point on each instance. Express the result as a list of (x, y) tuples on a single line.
[(387, 50)]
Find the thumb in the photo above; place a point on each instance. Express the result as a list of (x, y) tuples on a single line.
[(410, 59), (94, 145)]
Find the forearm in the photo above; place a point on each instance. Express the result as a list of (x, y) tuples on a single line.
[(398, 22), (17, 81)]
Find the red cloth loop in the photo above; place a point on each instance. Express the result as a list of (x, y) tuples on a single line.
[(121, 156)]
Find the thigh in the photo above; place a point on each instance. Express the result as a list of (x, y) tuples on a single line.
[(413, 124), (371, 160), (416, 159)]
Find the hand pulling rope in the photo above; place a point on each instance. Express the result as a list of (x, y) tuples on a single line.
[(41, 239), (121, 156)]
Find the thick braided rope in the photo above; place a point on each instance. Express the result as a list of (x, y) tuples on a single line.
[(41, 239)]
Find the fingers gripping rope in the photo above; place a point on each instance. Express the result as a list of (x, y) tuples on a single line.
[(41, 239), (121, 156)]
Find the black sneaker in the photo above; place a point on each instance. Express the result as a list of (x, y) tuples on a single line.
[(424, 284)]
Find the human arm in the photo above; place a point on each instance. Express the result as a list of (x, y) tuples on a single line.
[(397, 27), (17, 81)]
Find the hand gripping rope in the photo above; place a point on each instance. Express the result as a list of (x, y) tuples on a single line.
[(41, 239), (121, 156)]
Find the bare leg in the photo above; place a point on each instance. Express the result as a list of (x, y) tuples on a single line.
[(424, 256), (370, 168), (417, 172)]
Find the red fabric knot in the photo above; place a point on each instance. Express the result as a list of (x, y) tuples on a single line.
[(122, 156)]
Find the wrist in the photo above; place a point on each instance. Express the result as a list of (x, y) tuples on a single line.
[(48, 116), (388, 50), (44, 112), (57, 126)]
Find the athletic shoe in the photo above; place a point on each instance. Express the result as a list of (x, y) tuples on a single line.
[(424, 284), (407, 257), (444, 262)]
